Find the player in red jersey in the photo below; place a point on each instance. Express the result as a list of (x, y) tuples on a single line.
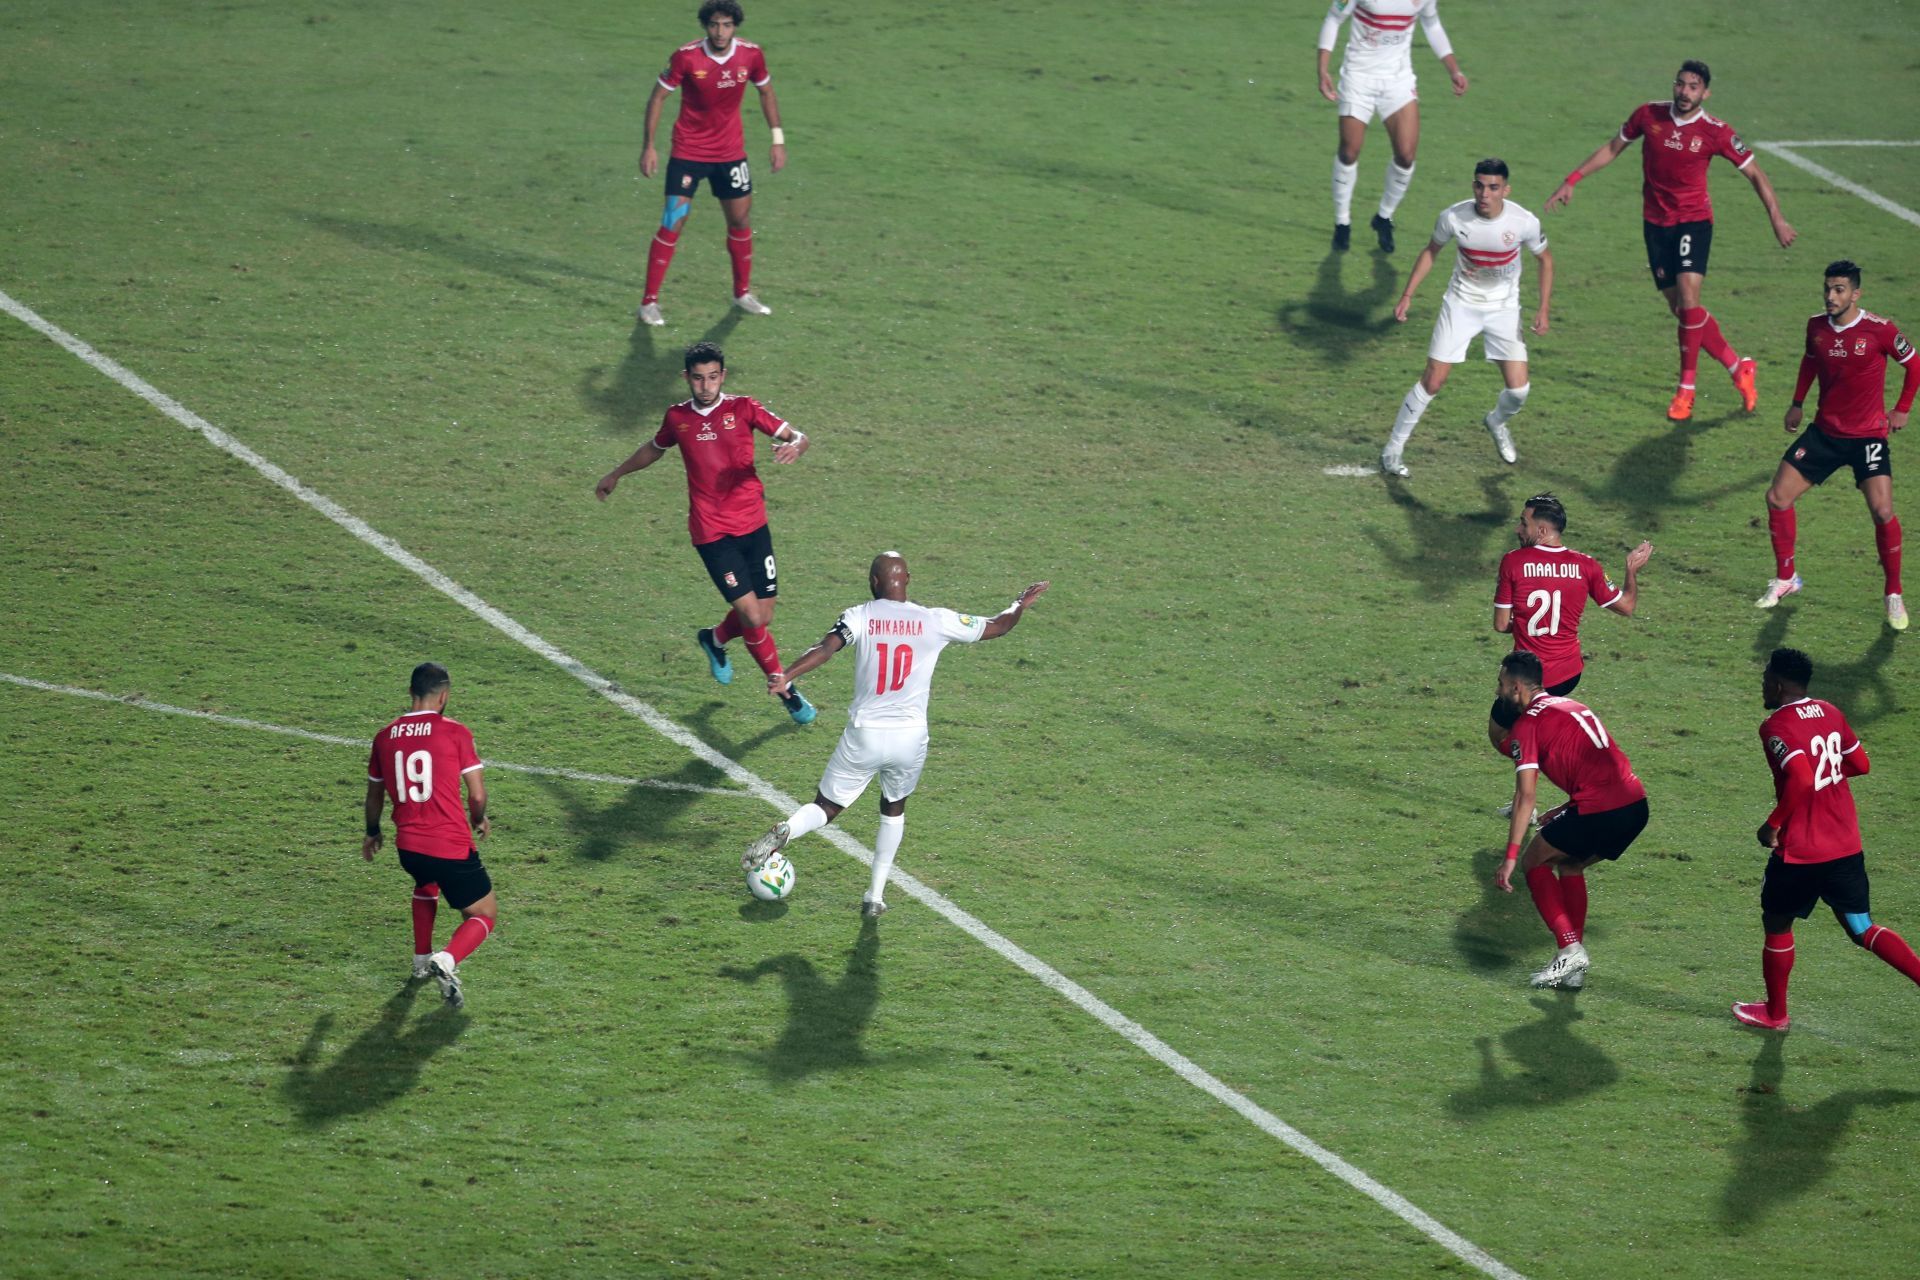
[(1681, 142), (1607, 811), (1814, 833), (708, 145), (727, 508), (419, 761), (1847, 350)]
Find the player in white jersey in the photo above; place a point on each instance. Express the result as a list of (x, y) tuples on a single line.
[(896, 644), (1376, 75), (1482, 299)]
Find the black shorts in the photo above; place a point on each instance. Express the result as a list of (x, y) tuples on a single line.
[(741, 562), (1506, 716), (1817, 455), (727, 179), (1672, 250), (462, 881), (1587, 836)]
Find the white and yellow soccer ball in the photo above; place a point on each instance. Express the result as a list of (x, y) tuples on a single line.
[(773, 879)]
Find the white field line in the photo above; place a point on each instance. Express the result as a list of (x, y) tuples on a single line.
[(239, 722), (1851, 142), (1785, 150), (1386, 1197), (1350, 470)]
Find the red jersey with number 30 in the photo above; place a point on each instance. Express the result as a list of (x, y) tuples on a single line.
[(708, 126), (1566, 741), (421, 758), (1825, 825), (1851, 363), (1548, 588), (1674, 160), (724, 493)]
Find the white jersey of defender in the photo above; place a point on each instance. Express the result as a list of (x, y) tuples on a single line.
[(1380, 35), (895, 645), (1486, 270)]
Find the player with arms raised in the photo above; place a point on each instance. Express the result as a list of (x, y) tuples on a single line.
[(1847, 350), (1482, 298), (1813, 831), (1681, 140), (895, 645)]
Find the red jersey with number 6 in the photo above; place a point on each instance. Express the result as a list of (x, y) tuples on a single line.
[(421, 758), (1674, 161), (724, 493), (708, 126), (1851, 362), (1548, 588), (1825, 825), (1566, 741)]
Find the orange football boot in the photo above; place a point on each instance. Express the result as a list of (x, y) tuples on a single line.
[(1682, 407), (1743, 382)]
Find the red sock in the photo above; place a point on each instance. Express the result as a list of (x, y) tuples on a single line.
[(1893, 948), (1783, 527), (472, 932), (1887, 538), (659, 256), (729, 628), (1714, 345), (426, 900), (740, 249), (1776, 962), (765, 652), (1573, 892), (1553, 909), (1693, 327)]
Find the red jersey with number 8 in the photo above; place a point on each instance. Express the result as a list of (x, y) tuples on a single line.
[(1548, 588), (1825, 826), (421, 758), (724, 493), (1566, 741)]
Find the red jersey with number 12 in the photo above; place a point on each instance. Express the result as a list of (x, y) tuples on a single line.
[(724, 493), (1548, 588), (1851, 363), (1566, 741), (421, 758), (708, 126), (1826, 826), (1674, 160)]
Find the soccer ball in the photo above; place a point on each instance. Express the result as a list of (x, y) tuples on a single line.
[(772, 880)]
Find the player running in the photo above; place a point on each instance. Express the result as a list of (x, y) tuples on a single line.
[(726, 508), (1814, 833), (1608, 809), (1376, 75), (709, 146), (1483, 299), (1681, 142), (419, 761), (896, 644), (1847, 350)]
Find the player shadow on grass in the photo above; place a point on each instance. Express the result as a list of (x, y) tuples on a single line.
[(527, 269), (1553, 1064), (382, 1064), (1496, 933), (1444, 549), (1788, 1150), (1644, 476), (1333, 322), (825, 1021), (648, 379), (1860, 688)]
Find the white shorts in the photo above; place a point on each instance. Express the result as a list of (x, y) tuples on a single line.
[(1362, 96), (895, 756), (1459, 323)]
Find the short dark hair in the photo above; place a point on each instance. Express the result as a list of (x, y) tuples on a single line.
[(705, 353), (1547, 507), (1698, 68), (1851, 270), (727, 7), (429, 678), (1493, 166), (1792, 666), (1523, 666)]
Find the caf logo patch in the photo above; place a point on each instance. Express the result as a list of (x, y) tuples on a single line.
[(1513, 748), (966, 619)]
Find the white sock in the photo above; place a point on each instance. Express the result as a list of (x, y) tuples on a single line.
[(885, 845), (1344, 176), (1408, 418), (808, 817), (1398, 180), (1511, 401)]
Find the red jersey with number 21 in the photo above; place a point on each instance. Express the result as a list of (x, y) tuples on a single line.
[(1674, 161), (1548, 588), (1826, 826), (1566, 741), (421, 758), (724, 493)]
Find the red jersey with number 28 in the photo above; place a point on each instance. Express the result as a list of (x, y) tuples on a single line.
[(1548, 588), (708, 126), (1566, 741), (1674, 160), (1824, 826), (1851, 363), (724, 493), (421, 758)]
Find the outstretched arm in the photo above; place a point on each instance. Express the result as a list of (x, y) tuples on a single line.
[(781, 683), (1586, 168), (1007, 618), (1782, 230), (642, 458)]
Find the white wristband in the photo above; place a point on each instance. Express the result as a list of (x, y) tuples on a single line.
[(779, 137)]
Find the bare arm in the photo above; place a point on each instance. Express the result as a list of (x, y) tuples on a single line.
[(642, 458), (477, 804), (1782, 230), (789, 443), (1525, 783), (376, 805), (1007, 618), (1630, 593), (649, 158), (771, 110), (1545, 259), (1503, 618), (830, 644), (1421, 265), (1591, 165), (1327, 90)]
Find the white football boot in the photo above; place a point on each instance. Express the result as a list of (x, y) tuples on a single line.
[(1571, 961), (1391, 465), (440, 966), (1896, 612), (1778, 589), (420, 969), (751, 305), (1502, 440), (766, 846), (649, 313)]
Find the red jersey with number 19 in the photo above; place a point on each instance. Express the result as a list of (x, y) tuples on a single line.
[(1825, 826), (708, 126), (1851, 362), (1566, 741), (421, 758), (1674, 161), (724, 493), (1548, 588)]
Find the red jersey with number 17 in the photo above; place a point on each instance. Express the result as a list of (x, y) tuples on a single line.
[(1851, 362), (1548, 588), (421, 758), (1566, 741), (1674, 160), (724, 493), (1825, 826), (708, 126)]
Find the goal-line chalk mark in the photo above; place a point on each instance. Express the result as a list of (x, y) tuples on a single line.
[(1786, 151), (1386, 1197), (240, 722)]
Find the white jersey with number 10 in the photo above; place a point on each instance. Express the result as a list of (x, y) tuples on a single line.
[(896, 644)]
